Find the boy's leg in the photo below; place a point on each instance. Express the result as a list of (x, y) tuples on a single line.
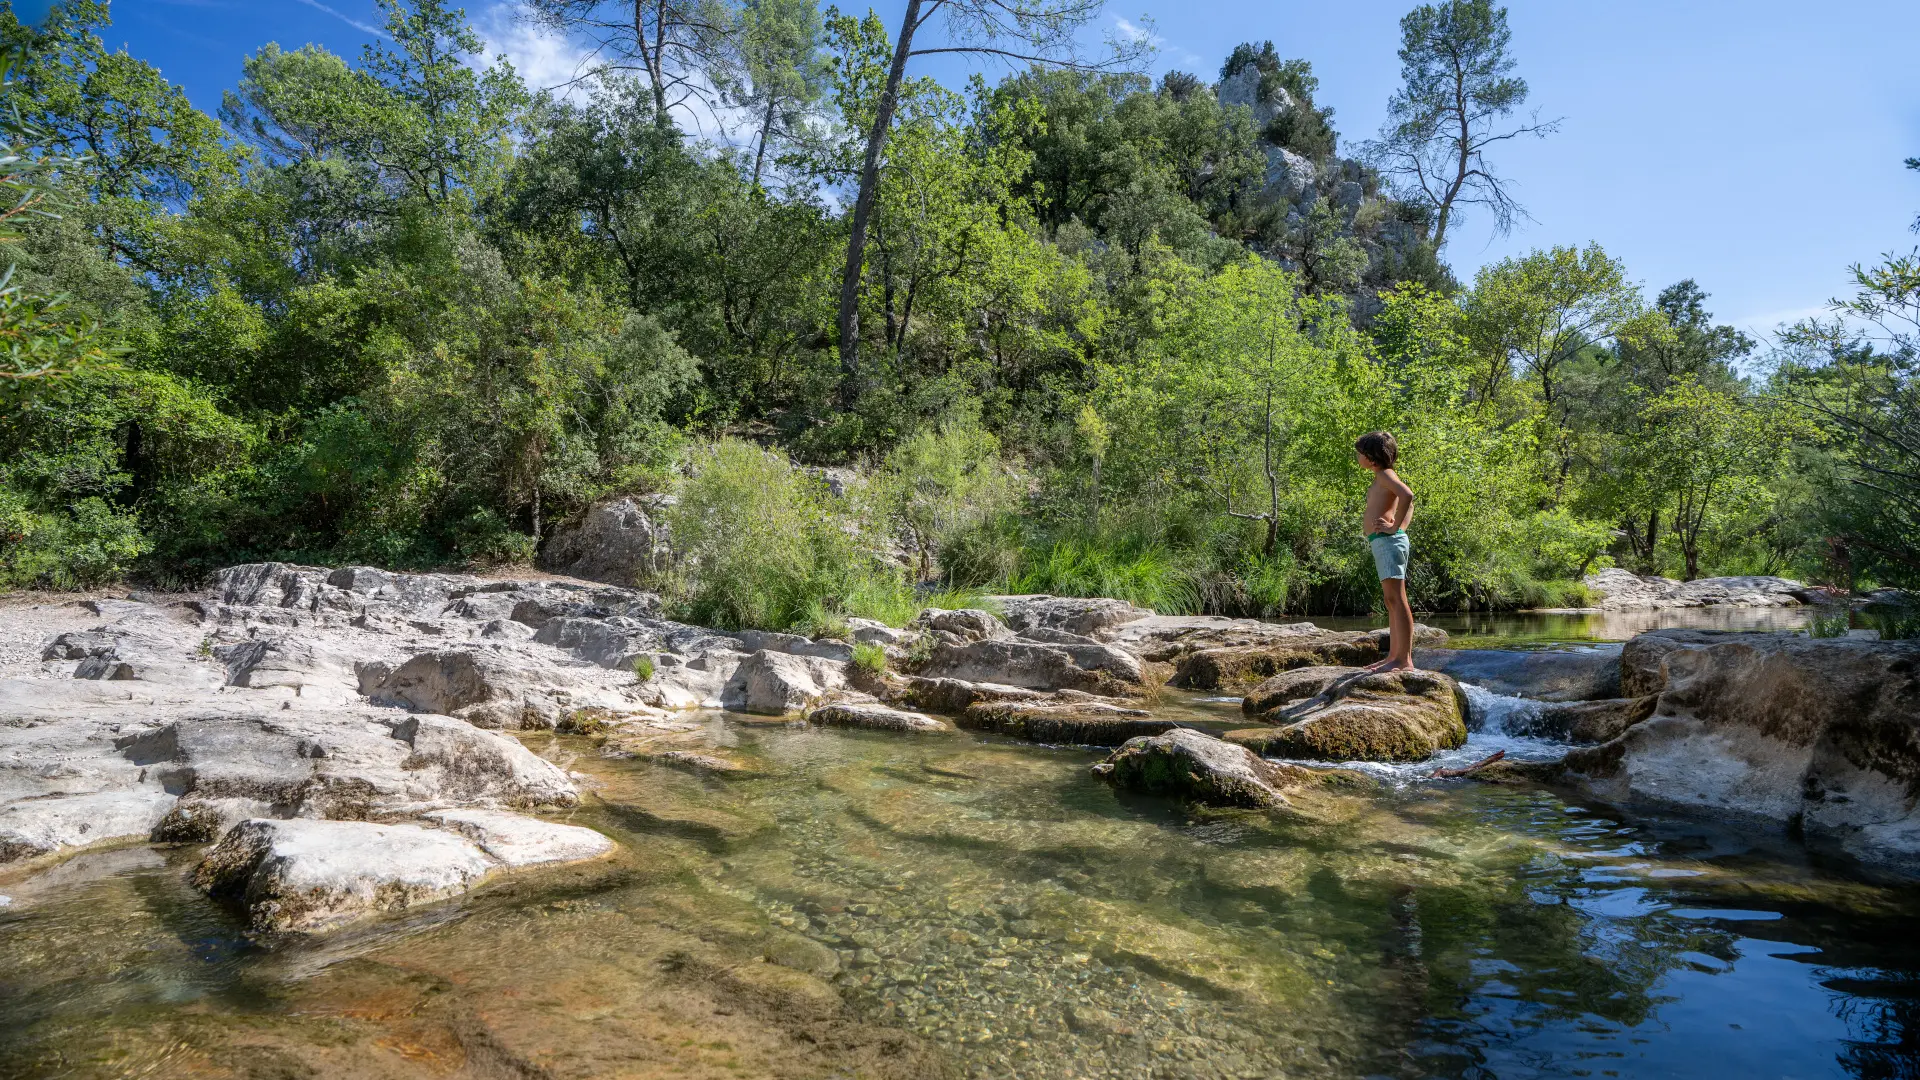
[(1399, 624)]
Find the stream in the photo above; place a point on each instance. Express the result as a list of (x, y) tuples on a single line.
[(881, 905)]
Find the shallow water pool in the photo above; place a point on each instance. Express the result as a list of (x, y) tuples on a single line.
[(882, 905)]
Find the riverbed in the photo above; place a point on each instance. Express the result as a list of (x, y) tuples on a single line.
[(866, 904)]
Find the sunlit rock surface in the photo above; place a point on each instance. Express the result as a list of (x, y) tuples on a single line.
[(1348, 714), (1822, 732)]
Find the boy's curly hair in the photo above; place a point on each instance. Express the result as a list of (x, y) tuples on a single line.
[(1378, 447)]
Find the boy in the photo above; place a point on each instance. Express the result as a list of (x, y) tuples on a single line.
[(1389, 508)]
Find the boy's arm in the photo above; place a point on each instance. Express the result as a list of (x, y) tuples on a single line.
[(1403, 503)]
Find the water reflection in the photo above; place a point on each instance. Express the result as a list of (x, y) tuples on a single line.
[(871, 905), (1509, 629)]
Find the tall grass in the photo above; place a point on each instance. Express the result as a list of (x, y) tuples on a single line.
[(1149, 576)]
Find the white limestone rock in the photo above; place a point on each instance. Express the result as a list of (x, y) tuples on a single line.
[(516, 841), (304, 875)]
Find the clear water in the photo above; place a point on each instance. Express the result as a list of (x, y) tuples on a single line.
[(970, 907)]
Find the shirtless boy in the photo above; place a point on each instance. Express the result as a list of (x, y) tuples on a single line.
[(1389, 508)]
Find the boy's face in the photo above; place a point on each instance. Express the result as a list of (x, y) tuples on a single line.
[(1365, 461)]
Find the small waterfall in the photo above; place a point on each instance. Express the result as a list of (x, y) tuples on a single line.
[(1494, 713)]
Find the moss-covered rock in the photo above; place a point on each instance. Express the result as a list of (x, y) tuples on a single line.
[(1189, 764), (1346, 714)]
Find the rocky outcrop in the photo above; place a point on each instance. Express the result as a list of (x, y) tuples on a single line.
[(1197, 767), (1824, 733), (1623, 590), (1239, 666), (620, 542), (779, 683), (1346, 714)]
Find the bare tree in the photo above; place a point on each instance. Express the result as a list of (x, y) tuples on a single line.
[(1016, 31), (676, 43), (1458, 88)]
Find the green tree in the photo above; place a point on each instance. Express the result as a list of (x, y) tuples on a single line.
[(1042, 32), (1862, 386), (781, 77), (1709, 451), (1457, 90)]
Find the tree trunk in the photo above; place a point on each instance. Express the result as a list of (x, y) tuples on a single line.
[(850, 374), (1653, 539), (1093, 508), (766, 129)]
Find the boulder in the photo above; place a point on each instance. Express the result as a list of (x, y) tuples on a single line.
[(1773, 726), (1245, 665), (1081, 723), (1037, 666), (875, 717), (311, 875), (1346, 714), (779, 683), (1195, 766), (965, 624), (619, 542)]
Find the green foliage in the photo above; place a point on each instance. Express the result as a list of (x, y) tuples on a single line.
[(643, 668), (870, 658), (88, 545), (404, 311), (1149, 576)]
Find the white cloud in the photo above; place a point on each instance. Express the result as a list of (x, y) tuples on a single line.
[(365, 28), (545, 60), (565, 65)]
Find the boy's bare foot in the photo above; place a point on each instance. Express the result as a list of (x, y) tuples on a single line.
[(1376, 667), (1402, 665)]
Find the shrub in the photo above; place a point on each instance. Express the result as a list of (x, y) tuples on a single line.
[(870, 658), (766, 546), (643, 668), (91, 545)]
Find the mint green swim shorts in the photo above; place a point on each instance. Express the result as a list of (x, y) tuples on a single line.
[(1390, 553)]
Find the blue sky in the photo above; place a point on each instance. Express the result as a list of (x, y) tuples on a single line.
[(1753, 145)]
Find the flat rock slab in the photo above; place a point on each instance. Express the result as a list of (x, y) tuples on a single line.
[(876, 718), (34, 827), (311, 875), (1066, 723), (1346, 714), (517, 841)]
